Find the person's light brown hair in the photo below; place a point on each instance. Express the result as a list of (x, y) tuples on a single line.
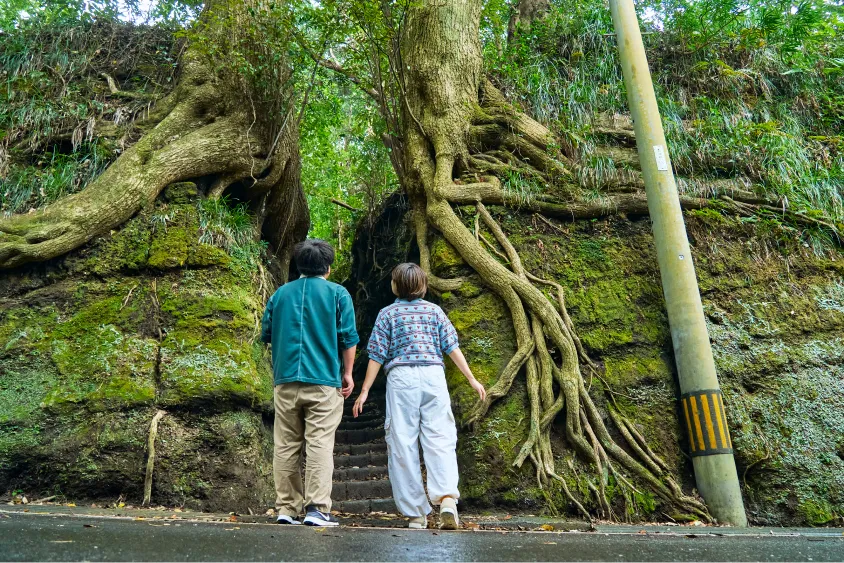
[(411, 281)]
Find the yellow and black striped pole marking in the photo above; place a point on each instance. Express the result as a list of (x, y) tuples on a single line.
[(706, 422)]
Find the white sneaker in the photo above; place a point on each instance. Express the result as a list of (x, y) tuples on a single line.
[(285, 519), (448, 514), (418, 523)]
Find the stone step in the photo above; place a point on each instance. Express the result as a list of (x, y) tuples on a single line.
[(366, 506), (359, 449), (373, 409), (360, 473), (368, 415), (361, 490), (362, 424), (359, 436), (362, 460)]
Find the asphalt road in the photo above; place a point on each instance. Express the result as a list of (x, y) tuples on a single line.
[(39, 537)]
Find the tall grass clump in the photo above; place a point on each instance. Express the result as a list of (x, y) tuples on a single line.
[(72, 86), (231, 226), (748, 93)]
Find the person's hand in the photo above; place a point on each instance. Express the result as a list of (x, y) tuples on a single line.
[(477, 386), (358, 408), (348, 386)]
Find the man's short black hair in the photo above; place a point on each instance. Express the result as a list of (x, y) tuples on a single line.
[(313, 257)]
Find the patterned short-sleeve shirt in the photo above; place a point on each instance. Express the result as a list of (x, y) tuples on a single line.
[(411, 333)]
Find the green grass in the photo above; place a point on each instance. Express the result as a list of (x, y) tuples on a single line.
[(230, 226), (52, 177), (55, 101), (523, 188)]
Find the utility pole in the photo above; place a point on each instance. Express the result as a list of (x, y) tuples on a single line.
[(703, 409)]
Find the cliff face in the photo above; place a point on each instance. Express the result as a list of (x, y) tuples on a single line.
[(94, 344), (150, 318), (775, 312)]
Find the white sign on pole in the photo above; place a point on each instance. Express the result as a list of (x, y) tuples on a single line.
[(659, 154)]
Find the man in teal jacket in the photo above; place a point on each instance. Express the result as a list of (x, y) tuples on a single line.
[(310, 326)]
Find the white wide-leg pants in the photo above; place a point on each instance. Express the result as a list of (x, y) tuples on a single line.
[(419, 410)]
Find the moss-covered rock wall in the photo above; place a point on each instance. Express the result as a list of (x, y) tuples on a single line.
[(93, 345), (775, 312), (150, 318)]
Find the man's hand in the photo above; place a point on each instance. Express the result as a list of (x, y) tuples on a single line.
[(358, 408), (348, 385), (477, 386)]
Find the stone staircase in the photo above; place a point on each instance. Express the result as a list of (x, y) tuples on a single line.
[(361, 483)]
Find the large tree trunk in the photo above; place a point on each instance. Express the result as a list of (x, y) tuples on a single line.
[(459, 134), (207, 130)]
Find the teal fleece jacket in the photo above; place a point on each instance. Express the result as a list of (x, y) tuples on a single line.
[(307, 323)]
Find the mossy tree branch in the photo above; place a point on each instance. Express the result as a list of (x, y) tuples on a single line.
[(205, 131)]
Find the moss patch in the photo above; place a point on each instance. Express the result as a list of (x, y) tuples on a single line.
[(181, 192), (144, 318)]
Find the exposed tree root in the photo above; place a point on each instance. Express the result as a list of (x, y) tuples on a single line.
[(153, 434)]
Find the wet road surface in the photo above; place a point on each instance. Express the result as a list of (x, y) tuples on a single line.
[(28, 537)]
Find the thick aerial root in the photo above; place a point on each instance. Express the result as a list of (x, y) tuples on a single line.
[(556, 387), (472, 130), (436, 283)]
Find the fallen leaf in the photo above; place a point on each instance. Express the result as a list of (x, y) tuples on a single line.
[(232, 518), (71, 505), (507, 517), (121, 504), (642, 532), (547, 527), (550, 543), (471, 525)]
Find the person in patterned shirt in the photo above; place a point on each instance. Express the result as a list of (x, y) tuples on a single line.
[(409, 339)]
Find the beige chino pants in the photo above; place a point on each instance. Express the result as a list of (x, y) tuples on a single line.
[(306, 415)]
